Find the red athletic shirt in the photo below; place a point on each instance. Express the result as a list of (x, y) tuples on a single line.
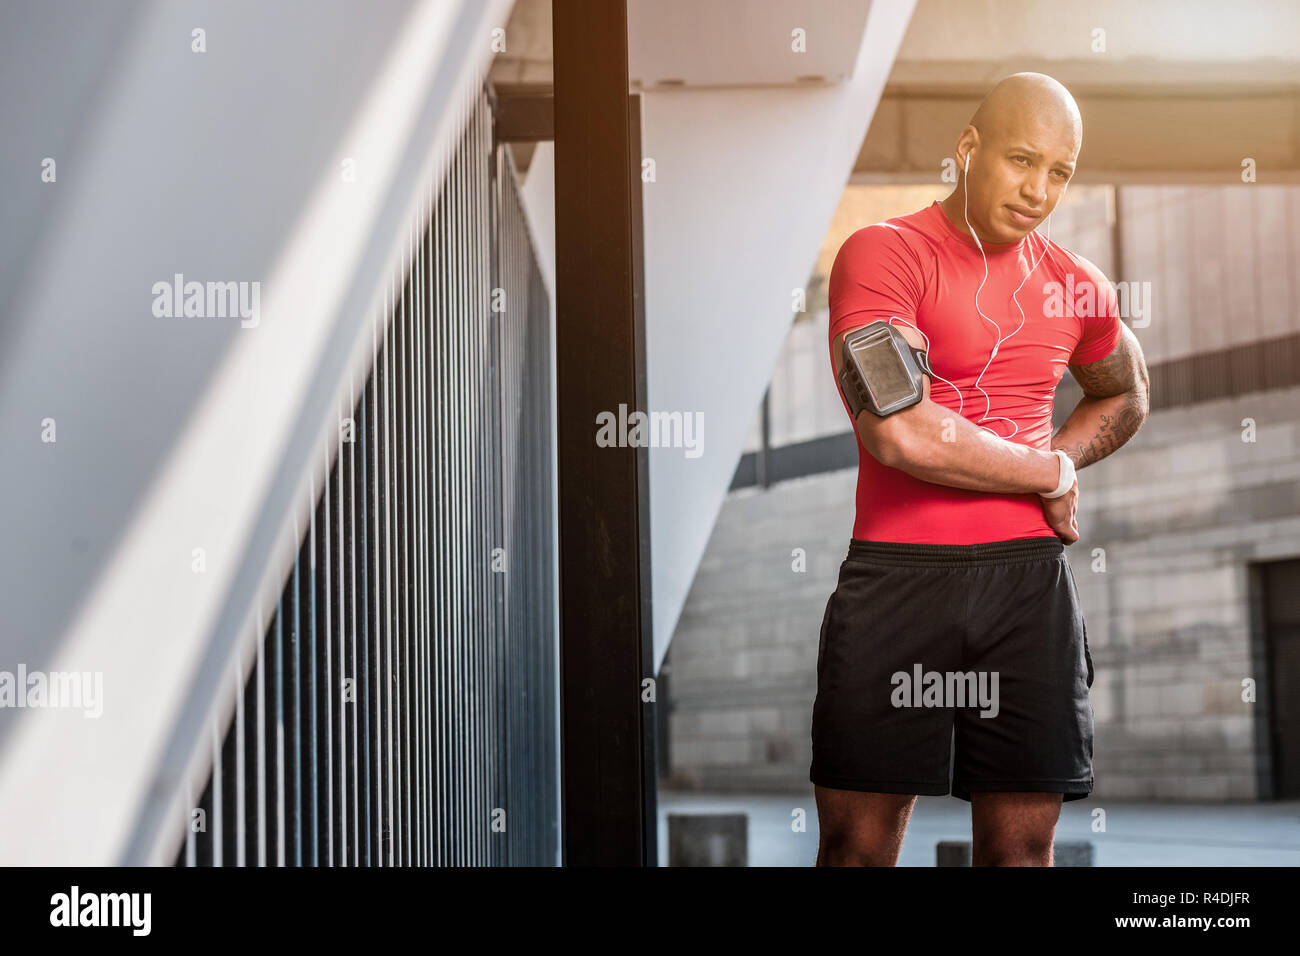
[(924, 270)]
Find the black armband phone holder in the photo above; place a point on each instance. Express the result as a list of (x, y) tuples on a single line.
[(881, 370)]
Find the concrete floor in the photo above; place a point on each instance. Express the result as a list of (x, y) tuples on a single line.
[(1137, 834)]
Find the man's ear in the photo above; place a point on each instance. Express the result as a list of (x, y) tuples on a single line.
[(970, 137)]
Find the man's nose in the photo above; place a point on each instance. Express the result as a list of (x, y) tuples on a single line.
[(1034, 188)]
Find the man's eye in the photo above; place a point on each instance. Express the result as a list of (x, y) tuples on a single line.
[(1019, 158)]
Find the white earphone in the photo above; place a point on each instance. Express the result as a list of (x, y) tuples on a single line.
[(1000, 339)]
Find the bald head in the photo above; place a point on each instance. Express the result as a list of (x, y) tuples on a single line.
[(1021, 145), (1026, 103)]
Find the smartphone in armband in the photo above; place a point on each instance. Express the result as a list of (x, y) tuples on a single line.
[(881, 370)]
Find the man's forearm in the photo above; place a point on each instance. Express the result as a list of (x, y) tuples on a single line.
[(935, 444), (1099, 426), (1114, 405)]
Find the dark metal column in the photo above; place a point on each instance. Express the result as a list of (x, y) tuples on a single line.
[(605, 636)]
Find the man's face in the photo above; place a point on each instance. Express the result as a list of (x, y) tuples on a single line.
[(1015, 181)]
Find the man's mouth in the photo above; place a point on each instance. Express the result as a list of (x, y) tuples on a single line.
[(1023, 215)]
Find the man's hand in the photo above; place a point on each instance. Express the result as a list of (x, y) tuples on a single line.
[(1060, 513)]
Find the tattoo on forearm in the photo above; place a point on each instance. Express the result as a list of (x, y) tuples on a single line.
[(1112, 432), (1123, 372)]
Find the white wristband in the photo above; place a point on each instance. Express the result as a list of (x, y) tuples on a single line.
[(1066, 481)]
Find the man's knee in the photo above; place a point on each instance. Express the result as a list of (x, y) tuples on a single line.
[(1013, 829), (861, 829)]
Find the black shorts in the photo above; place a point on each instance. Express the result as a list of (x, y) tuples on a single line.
[(931, 650)]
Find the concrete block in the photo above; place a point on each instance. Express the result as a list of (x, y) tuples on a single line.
[(708, 839), (1232, 765), (1137, 592), (729, 751), (1155, 672), (779, 749), (1140, 700), (1180, 699), (1238, 731), (798, 720), (683, 724), (1196, 588), (1222, 696), (1224, 619), (716, 723), (1150, 625), (688, 753), (1197, 457), (1064, 853), (1211, 787), (740, 665), (1102, 694), (1100, 626), (766, 720), (731, 639), (1273, 442)]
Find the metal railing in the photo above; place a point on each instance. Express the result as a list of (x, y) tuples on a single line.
[(402, 708)]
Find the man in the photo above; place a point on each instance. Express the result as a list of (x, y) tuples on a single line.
[(957, 563)]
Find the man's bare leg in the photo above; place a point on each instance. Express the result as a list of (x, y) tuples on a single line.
[(861, 829), (1013, 829)]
